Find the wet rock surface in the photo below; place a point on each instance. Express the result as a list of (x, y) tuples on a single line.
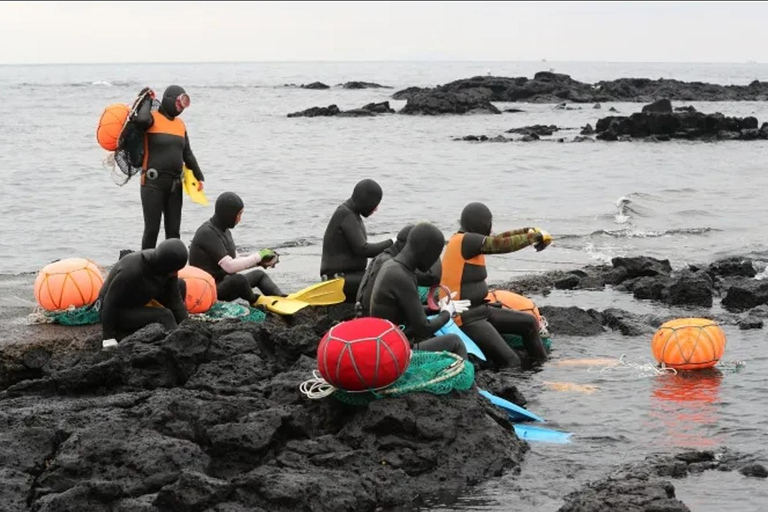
[(315, 86), (369, 110), (644, 486), (364, 85), (209, 417), (657, 120), (438, 102)]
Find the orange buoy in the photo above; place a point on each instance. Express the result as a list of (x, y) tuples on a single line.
[(73, 282), (201, 289), (689, 344), (111, 125), (514, 301)]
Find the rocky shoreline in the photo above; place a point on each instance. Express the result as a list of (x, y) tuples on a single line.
[(209, 417)]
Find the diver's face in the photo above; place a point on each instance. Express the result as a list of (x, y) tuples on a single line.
[(239, 217)]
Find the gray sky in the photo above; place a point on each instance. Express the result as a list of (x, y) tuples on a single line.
[(67, 32)]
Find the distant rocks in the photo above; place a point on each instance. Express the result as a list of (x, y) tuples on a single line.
[(513, 110), (364, 85), (319, 86), (659, 122), (439, 102), (369, 110), (537, 129), (588, 130)]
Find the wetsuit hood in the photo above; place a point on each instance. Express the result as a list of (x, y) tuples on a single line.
[(424, 246), (476, 218), (168, 103), (170, 256), (366, 197), (228, 205), (402, 239)]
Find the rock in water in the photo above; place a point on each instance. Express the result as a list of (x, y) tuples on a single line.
[(643, 266), (436, 102), (588, 130), (663, 106), (539, 130), (379, 108), (571, 321), (316, 86), (364, 85), (329, 111)]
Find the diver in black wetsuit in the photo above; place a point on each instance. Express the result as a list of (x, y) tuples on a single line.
[(213, 250), (345, 244), (430, 278), (143, 288), (464, 272), (396, 297), (166, 151)]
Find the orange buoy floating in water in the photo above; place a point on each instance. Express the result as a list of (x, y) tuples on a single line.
[(73, 282), (111, 125), (689, 344), (510, 300), (201, 289)]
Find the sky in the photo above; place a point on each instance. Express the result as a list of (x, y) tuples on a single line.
[(114, 32)]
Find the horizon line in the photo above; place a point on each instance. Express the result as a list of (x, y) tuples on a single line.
[(302, 61)]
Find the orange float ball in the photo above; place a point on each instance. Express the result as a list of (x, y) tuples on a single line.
[(73, 282), (510, 300), (201, 289), (689, 344), (111, 125)]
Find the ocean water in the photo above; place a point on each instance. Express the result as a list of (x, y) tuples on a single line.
[(686, 201)]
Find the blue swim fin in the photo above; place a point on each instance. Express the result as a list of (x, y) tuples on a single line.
[(516, 413), (544, 435), (452, 328)]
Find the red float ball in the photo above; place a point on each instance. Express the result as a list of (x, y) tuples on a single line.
[(363, 354)]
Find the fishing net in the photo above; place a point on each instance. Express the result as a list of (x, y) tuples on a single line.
[(126, 162), (438, 373), (230, 310), (86, 315), (423, 292), (516, 342)]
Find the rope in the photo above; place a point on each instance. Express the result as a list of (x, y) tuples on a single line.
[(38, 317), (446, 373), (316, 387), (644, 368)]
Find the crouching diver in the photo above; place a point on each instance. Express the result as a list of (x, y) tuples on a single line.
[(143, 288), (464, 272), (429, 279), (166, 151), (395, 295), (345, 244), (213, 250)]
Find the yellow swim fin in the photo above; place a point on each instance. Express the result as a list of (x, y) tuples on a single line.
[(281, 305), (190, 187), (326, 293)]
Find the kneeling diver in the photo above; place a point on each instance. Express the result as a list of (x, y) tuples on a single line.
[(464, 272), (395, 294), (143, 288), (213, 250)]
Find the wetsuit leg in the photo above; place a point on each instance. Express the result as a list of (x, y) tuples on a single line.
[(132, 319), (491, 343), (259, 279), (152, 201), (508, 321), (351, 285), (447, 342), (172, 211), (235, 286)]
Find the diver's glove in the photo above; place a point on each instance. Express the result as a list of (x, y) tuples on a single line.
[(454, 307), (269, 258), (109, 343), (540, 238)]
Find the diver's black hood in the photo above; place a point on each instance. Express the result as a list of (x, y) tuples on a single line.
[(228, 205), (476, 218), (366, 197), (424, 246), (170, 256), (168, 103)]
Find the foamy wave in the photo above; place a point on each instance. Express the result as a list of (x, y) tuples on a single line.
[(102, 82), (598, 255), (630, 233)]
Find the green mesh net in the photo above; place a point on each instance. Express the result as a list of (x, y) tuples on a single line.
[(85, 315), (438, 373), (515, 341), (228, 310), (423, 292)]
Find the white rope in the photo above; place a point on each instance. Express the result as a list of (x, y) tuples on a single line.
[(317, 387), (644, 368), (543, 327), (38, 317)]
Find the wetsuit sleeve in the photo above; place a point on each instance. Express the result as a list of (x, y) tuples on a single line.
[(356, 239), (143, 116), (110, 305), (175, 301), (233, 265), (190, 160), (503, 244), (431, 277), (416, 319), (514, 232)]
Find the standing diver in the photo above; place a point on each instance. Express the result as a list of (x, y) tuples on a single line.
[(166, 151), (143, 288), (213, 250), (345, 244), (464, 272), (395, 294), (429, 279)]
